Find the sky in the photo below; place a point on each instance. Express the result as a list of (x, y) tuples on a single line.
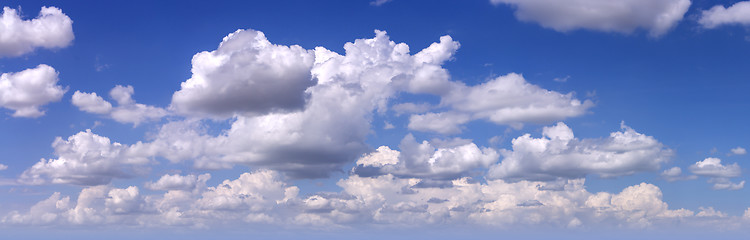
[(575, 119)]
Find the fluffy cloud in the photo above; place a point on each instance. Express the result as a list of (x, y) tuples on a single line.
[(3, 167), (738, 151), (436, 160), (90, 102), (246, 74), (623, 16), (51, 29), (331, 129), (26, 91), (178, 182), (85, 159), (127, 111), (507, 100), (675, 174), (738, 13), (718, 173), (558, 154), (263, 197), (712, 167)]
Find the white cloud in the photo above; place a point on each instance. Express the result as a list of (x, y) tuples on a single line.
[(638, 205), (718, 173), (90, 102), (712, 167), (178, 182), (405, 108), (433, 160), (332, 127), (127, 111), (558, 154), (3, 167), (51, 29), (739, 151), (26, 91), (622, 16), (506, 100), (675, 174), (738, 13), (710, 212), (85, 159), (379, 2), (246, 74)]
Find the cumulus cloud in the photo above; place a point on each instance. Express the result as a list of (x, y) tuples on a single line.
[(91, 103), (675, 174), (25, 92), (178, 182), (738, 13), (506, 100), (622, 16), (718, 173), (331, 128), (246, 74), (738, 151), (3, 167), (85, 159), (558, 154), (433, 160), (263, 197), (127, 111), (51, 29)]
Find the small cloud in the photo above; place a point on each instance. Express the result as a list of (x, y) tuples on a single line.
[(99, 66), (388, 126), (738, 151), (379, 2), (3, 167), (561, 79)]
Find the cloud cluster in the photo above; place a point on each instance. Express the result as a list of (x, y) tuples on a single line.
[(246, 74), (432, 160), (51, 29), (127, 110), (718, 173), (85, 159), (25, 92), (738, 13), (327, 130), (506, 100), (622, 16), (263, 197), (558, 154)]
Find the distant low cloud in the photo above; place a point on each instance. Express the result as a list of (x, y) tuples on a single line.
[(25, 92), (51, 29), (622, 16), (719, 174), (737, 14), (559, 154), (738, 151)]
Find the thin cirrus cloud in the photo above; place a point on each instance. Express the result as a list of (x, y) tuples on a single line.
[(25, 92), (621, 16), (737, 14), (52, 29)]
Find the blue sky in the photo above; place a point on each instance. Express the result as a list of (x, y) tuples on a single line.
[(340, 116)]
